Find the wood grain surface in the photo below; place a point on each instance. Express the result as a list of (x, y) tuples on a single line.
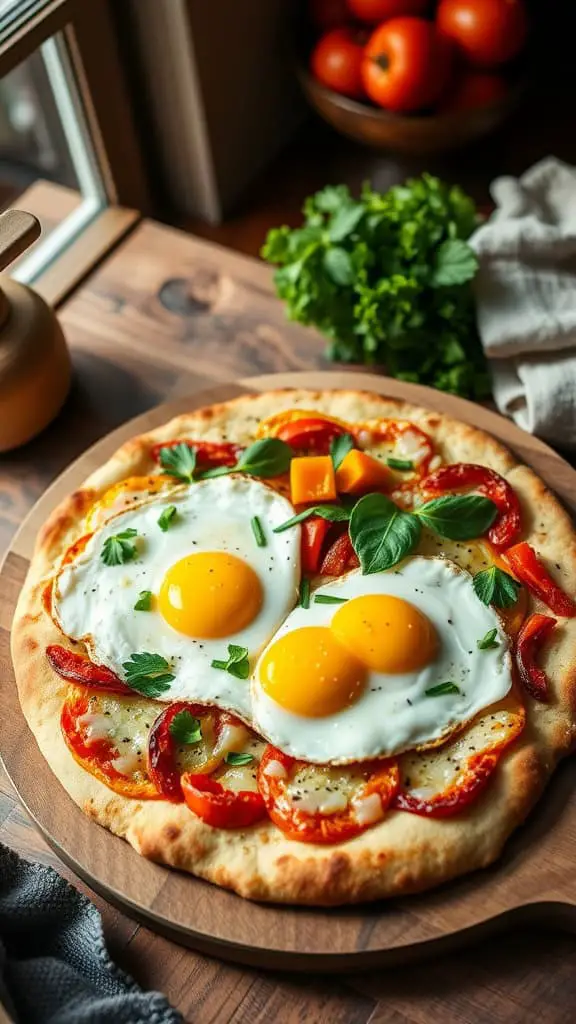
[(131, 351)]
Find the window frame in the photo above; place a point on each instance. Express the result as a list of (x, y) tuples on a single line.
[(87, 31)]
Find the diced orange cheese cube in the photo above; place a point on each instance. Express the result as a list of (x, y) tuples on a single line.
[(359, 473), (312, 479)]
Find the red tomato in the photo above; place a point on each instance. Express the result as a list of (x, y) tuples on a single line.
[(336, 62), (475, 89), (381, 778), (220, 807), (310, 435), (339, 557), (380, 10), (77, 668), (327, 14), (461, 476), (406, 64), (208, 453), (486, 32), (313, 535)]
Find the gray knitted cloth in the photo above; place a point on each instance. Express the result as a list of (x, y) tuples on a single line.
[(54, 966)]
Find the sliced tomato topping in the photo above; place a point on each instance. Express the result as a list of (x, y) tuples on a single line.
[(312, 434), (530, 639), (339, 557), (314, 532), (221, 807), (220, 731), (374, 785), (461, 476), (97, 754), (528, 568), (208, 453), (441, 782), (77, 668)]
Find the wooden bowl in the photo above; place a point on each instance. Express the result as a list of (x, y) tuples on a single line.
[(414, 134)]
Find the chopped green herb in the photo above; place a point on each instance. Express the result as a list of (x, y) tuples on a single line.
[(237, 663), (441, 688), (144, 602), (488, 641), (185, 728), (265, 458), (179, 461), (304, 600), (258, 532), (119, 548), (148, 674), (167, 517), (403, 464), (238, 760), (332, 513), (329, 599), (339, 448), (494, 586)]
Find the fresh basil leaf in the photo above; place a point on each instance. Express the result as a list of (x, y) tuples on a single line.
[(441, 688), (333, 513), (167, 517), (488, 641), (304, 597), (119, 548), (144, 602), (402, 464), (329, 599), (338, 266), (238, 760), (179, 461), (458, 516), (258, 531), (148, 674), (265, 458), (186, 729), (494, 586), (339, 448), (237, 663), (381, 533)]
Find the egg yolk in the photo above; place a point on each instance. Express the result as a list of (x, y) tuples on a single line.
[(210, 594), (309, 673), (385, 633)]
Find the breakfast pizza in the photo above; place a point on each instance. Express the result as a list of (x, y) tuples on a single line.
[(313, 646)]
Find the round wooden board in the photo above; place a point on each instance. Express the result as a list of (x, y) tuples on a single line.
[(533, 881)]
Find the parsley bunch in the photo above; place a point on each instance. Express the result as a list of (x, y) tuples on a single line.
[(387, 278)]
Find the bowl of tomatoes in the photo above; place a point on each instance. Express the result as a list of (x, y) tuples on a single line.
[(415, 76)]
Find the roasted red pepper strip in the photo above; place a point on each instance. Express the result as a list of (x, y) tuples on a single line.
[(534, 632), (76, 668), (208, 453), (528, 568), (221, 807), (339, 557), (468, 476), (314, 531), (457, 797), (310, 435)]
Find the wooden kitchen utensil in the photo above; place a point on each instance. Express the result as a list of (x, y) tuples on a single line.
[(34, 359)]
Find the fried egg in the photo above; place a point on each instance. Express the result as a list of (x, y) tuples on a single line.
[(211, 585), (364, 671)]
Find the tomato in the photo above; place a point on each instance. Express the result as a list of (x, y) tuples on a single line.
[(220, 807), (380, 10), (455, 798), (469, 476), (308, 435), (97, 755), (530, 639), (475, 89), (314, 531), (339, 557), (208, 453), (528, 568), (406, 64), (486, 32), (381, 780), (336, 62), (327, 14), (77, 668)]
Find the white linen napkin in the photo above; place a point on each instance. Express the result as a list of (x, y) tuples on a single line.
[(526, 298)]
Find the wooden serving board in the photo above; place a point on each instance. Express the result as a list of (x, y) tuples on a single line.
[(532, 882)]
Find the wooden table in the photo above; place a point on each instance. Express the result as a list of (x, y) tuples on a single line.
[(164, 315)]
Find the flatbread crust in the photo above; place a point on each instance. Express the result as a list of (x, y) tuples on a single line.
[(405, 853)]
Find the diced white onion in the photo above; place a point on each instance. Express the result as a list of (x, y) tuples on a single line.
[(409, 446), (368, 809), (275, 770)]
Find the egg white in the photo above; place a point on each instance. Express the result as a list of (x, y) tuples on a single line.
[(94, 602), (394, 713)]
